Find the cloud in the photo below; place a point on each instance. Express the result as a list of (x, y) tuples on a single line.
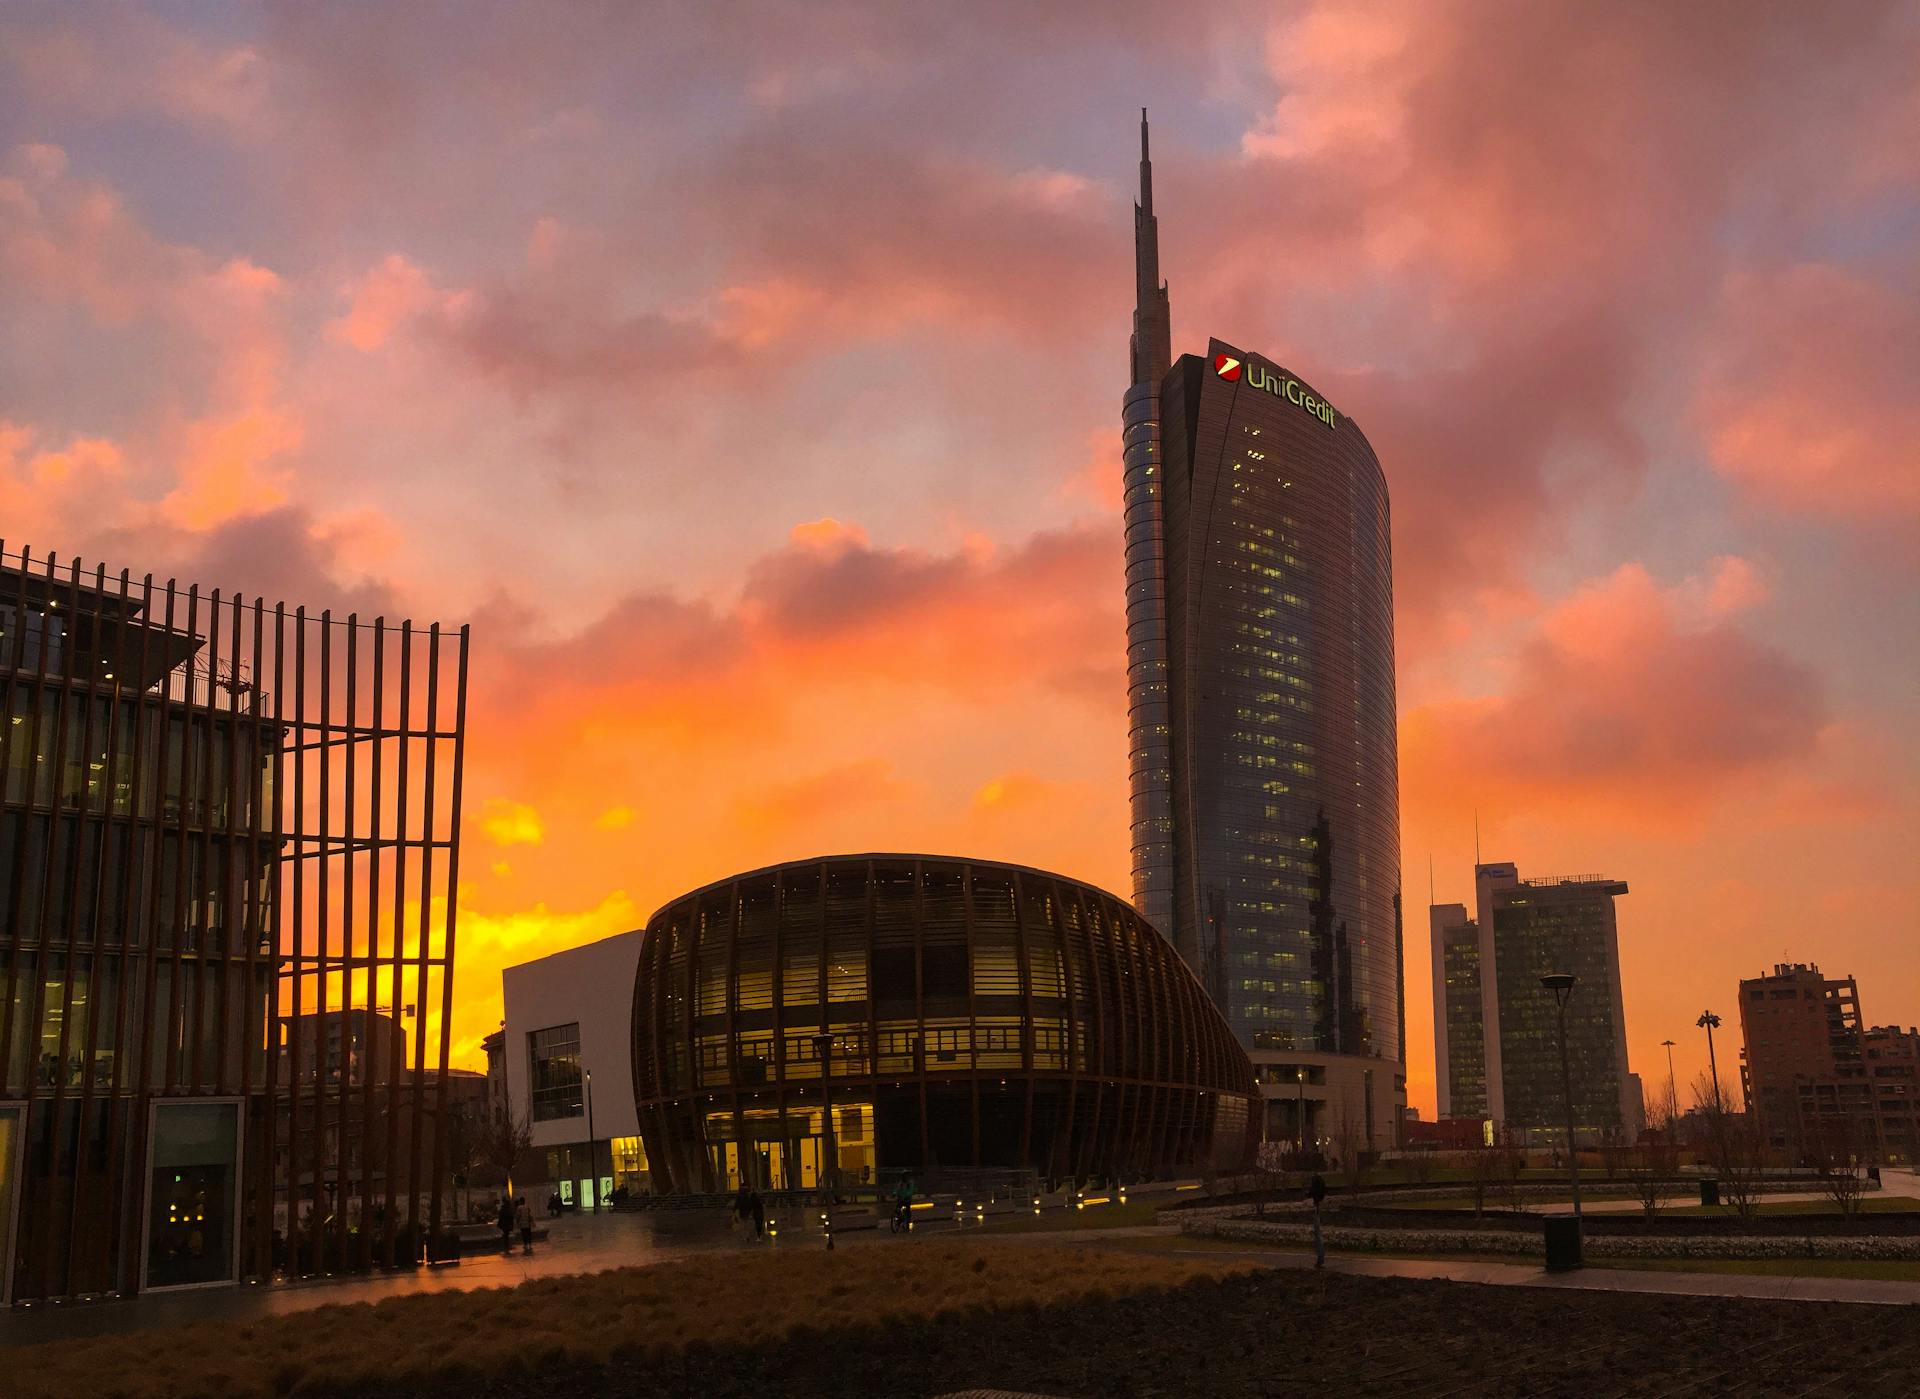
[(387, 297), (797, 808), (1808, 401), (506, 822), (1626, 700)]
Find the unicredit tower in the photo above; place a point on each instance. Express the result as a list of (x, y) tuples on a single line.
[(1265, 787)]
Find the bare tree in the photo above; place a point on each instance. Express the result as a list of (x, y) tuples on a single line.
[(1833, 1147), (1483, 1167), (1356, 1161), (1734, 1147), (502, 1138), (1650, 1168), (1655, 1161), (1510, 1158), (466, 1133), (1418, 1162)]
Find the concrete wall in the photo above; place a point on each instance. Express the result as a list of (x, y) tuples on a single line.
[(594, 986)]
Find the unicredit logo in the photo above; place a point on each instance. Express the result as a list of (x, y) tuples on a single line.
[(1263, 378)]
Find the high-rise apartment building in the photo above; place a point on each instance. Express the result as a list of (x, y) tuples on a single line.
[(1496, 1030), (1263, 749), (1817, 1078)]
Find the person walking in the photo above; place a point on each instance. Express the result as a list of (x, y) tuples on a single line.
[(523, 1217), (757, 1207), (1317, 1192), (902, 1204), (505, 1220)]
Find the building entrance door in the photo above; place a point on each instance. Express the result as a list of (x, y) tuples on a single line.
[(12, 1139), (193, 1194)]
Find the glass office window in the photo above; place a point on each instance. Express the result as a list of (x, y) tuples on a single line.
[(554, 1055), (190, 1207)]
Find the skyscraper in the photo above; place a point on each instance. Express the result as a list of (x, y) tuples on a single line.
[(1460, 1053), (1496, 1031), (1263, 749)]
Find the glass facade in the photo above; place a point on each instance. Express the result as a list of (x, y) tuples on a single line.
[(1459, 1013), (1282, 750), (873, 1013), (1560, 927), (553, 1057)]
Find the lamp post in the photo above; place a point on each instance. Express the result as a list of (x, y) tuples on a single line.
[(1710, 1022), (1299, 1111), (1673, 1099), (823, 1043), (1561, 985), (593, 1147)]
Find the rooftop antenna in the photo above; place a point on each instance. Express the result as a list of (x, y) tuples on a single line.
[(1429, 881), (1476, 837)]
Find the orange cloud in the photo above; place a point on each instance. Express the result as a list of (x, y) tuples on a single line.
[(506, 822), (799, 807), (1621, 703)]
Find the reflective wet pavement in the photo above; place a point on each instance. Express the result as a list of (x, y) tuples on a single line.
[(575, 1244)]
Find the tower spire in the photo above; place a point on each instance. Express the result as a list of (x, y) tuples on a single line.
[(1152, 346)]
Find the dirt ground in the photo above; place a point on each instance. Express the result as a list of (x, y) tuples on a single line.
[(1285, 1334)]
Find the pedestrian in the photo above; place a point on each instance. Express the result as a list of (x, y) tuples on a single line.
[(742, 1203), (903, 1204), (1317, 1192), (524, 1218), (757, 1206), (505, 1220)]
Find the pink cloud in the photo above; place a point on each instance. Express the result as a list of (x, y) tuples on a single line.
[(1621, 703), (1809, 401)]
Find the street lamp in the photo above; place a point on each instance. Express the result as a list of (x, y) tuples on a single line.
[(1673, 1098), (1710, 1022), (1561, 985), (823, 1045), (593, 1147), (1299, 1111)]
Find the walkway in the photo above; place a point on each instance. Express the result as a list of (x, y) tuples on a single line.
[(1768, 1286), (575, 1244)]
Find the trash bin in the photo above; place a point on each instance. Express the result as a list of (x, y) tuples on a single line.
[(1709, 1192), (1563, 1243), (1873, 1174)]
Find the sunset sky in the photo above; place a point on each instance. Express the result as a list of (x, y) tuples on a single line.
[(749, 377)]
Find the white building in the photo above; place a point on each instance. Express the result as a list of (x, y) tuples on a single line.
[(568, 1055)]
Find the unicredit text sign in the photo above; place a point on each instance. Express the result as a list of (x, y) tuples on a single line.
[(1259, 376)]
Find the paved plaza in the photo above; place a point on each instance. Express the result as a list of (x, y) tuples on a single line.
[(594, 1243)]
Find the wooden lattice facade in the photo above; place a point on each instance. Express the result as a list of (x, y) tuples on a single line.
[(948, 1014), (228, 869)]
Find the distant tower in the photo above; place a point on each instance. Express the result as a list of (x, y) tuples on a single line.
[(1526, 927)]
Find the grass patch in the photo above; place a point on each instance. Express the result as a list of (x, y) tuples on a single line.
[(1093, 1217), (730, 1299)]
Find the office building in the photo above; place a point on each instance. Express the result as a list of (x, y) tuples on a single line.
[(1817, 1078), (1497, 1030), (849, 1018), (1460, 1057), (1263, 758), (216, 812), (566, 1053)]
